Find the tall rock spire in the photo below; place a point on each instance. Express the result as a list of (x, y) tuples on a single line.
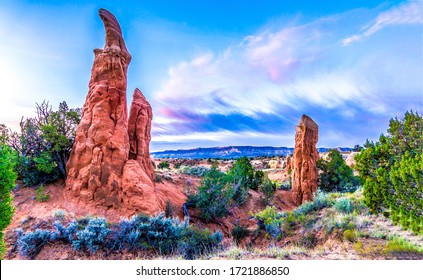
[(139, 127), (101, 150), (304, 173)]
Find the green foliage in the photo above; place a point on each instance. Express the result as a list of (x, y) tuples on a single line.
[(268, 189), (162, 235), (243, 177), (343, 205), (392, 172), (243, 173), (239, 232), (41, 195), (270, 220), (31, 243), (4, 135), (2, 246), (45, 143), (350, 235), (170, 208), (399, 245), (286, 186), (7, 182), (220, 191), (163, 165), (214, 196), (199, 171), (159, 178), (336, 176)]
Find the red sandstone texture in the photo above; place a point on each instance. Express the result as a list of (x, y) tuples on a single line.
[(110, 162), (304, 170)]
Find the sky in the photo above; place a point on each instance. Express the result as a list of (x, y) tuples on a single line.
[(221, 73)]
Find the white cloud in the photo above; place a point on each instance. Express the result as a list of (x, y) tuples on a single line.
[(407, 13), (295, 69)]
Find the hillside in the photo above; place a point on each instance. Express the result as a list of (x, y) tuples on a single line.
[(334, 226)]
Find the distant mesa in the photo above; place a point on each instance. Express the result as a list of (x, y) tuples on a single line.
[(110, 162), (232, 152), (304, 170)]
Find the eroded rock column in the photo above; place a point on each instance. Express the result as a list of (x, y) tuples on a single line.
[(304, 172)]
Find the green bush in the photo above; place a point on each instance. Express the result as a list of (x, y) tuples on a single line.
[(239, 232), (270, 220), (45, 143), (268, 189), (163, 165), (350, 235), (199, 171), (162, 235), (170, 209), (336, 176), (392, 172), (243, 177), (343, 205), (7, 182), (41, 195), (214, 195)]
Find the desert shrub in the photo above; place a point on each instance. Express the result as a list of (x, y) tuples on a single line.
[(343, 205), (65, 233), (350, 235), (169, 209), (336, 176), (308, 240), (7, 182), (41, 195), (268, 189), (199, 171), (341, 222), (239, 232), (163, 165), (163, 235), (399, 245), (93, 236), (392, 172), (30, 244), (243, 177), (197, 242), (270, 220), (243, 173), (159, 178), (214, 195), (321, 200), (286, 186), (45, 142)]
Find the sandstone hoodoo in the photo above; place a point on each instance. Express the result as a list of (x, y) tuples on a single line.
[(304, 170), (139, 127), (110, 162)]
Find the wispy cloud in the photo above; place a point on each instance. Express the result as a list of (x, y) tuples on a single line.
[(407, 13), (274, 76)]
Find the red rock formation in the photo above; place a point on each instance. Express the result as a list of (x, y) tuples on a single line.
[(98, 170), (139, 127), (288, 165), (304, 173)]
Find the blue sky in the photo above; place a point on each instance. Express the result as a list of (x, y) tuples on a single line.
[(221, 73)]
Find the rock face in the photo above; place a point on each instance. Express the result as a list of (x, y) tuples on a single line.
[(288, 167), (139, 127), (304, 173), (98, 170)]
